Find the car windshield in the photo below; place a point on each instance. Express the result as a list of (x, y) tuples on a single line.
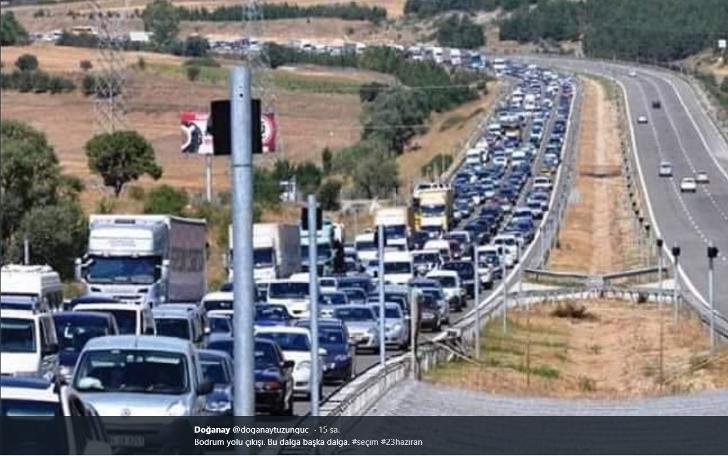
[(217, 304), (397, 267), (365, 246), (389, 312), (17, 335), (434, 292), (263, 257), (433, 210), (126, 320), (72, 334), (429, 302), (220, 325), (464, 268), (132, 371), (354, 314), (355, 295), (18, 301), (288, 290), (225, 345), (395, 231), (215, 372), (330, 336), (272, 313), (289, 341), (265, 355), (139, 270), (334, 299), (173, 327), (445, 281), (426, 257)]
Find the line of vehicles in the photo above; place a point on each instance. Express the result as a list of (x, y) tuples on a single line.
[(149, 339)]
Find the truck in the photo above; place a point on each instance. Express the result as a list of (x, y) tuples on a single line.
[(398, 223), (276, 251), (433, 209), (145, 259), (325, 238)]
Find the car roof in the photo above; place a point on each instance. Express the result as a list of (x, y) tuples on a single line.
[(20, 313), (160, 312), (281, 329), (110, 306), (213, 355), (442, 273), (218, 295), (93, 298), (131, 342), (28, 388)]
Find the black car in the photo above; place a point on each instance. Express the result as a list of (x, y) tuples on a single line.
[(656, 104), (217, 367), (273, 379), (466, 272), (74, 329), (339, 358)]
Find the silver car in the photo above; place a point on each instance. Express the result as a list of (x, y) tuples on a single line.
[(362, 325), (140, 376), (396, 328)]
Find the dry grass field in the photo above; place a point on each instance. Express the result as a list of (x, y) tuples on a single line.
[(612, 351)]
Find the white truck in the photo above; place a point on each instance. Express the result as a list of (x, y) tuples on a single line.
[(397, 222), (276, 251), (36, 288), (145, 259)]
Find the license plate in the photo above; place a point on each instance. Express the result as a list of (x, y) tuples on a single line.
[(127, 440)]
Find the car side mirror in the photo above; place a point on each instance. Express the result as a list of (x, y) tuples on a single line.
[(288, 364), (50, 349), (204, 388)]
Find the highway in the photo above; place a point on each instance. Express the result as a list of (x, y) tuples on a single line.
[(682, 133)]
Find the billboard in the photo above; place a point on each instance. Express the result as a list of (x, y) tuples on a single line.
[(195, 137), (269, 130)]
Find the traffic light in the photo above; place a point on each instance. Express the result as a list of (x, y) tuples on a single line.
[(220, 128)]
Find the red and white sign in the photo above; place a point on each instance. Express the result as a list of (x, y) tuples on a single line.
[(269, 130), (195, 139)]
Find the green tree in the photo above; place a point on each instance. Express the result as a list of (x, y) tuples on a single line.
[(459, 31), (85, 65), (27, 62), (376, 175), (283, 170), (165, 199), (196, 46), (162, 19), (328, 195), (121, 157), (11, 31), (724, 85), (56, 234), (327, 160), (308, 178), (193, 72)]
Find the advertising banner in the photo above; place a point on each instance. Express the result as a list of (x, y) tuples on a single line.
[(269, 129), (195, 138)]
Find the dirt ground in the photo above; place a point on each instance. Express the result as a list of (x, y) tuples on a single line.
[(439, 139), (612, 352), (597, 236)]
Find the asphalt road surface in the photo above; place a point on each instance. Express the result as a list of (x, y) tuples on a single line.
[(683, 134)]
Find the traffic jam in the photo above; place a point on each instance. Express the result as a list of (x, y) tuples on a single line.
[(148, 339)]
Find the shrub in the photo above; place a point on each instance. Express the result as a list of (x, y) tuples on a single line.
[(85, 65), (27, 62), (136, 193), (570, 309), (193, 73), (166, 200), (328, 195)]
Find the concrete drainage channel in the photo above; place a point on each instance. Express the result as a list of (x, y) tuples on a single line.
[(358, 396)]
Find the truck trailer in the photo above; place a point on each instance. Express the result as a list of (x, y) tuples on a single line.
[(145, 259), (276, 251)]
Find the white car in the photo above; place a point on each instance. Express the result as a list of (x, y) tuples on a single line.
[(701, 177), (29, 344), (295, 342), (688, 184), (451, 287), (642, 120), (633, 74), (665, 169)]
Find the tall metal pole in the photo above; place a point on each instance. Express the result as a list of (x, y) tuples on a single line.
[(712, 253), (26, 251), (380, 251), (313, 308), (675, 287), (243, 294), (476, 293), (541, 260), (414, 330), (658, 243), (505, 290), (208, 178)]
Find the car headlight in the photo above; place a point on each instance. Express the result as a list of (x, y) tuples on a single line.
[(342, 357), (177, 409), (303, 365), (397, 327), (218, 406), (428, 315)]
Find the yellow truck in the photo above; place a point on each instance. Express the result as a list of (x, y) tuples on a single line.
[(433, 208)]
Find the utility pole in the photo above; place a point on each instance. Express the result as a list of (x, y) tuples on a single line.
[(243, 294), (380, 252), (476, 296), (208, 178), (26, 251), (414, 330), (658, 243), (313, 307), (712, 254), (505, 290), (675, 287)]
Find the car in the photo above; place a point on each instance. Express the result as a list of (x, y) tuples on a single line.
[(633, 74), (133, 319), (339, 358), (656, 104), (178, 323), (355, 295), (361, 325), (665, 169), (466, 271), (701, 177), (217, 367), (430, 316), (220, 325), (688, 184), (29, 345), (642, 119), (274, 381), (271, 315), (73, 330), (396, 329), (451, 286), (295, 343), (26, 396)]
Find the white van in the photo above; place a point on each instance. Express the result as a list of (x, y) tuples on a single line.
[(398, 267), (474, 157), (35, 288), (134, 319), (441, 245), (512, 246), (366, 249), (29, 345)]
